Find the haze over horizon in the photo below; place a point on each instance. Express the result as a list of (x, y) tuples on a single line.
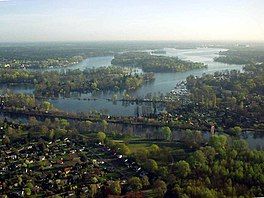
[(90, 20)]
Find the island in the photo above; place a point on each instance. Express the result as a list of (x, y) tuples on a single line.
[(53, 83), (33, 56), (158, 52), (154, 63), (201, 146), (241, 56)]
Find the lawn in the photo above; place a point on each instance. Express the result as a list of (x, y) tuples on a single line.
[(136, 146)]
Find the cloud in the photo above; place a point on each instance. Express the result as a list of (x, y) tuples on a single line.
[(4, 0)]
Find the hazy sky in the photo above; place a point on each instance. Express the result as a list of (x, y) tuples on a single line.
[(78, 20)]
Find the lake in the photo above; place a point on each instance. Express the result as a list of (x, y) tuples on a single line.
[(164, 82)]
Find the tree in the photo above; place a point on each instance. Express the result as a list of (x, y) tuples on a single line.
[(44, 130), (101, 136), (42, 146), (207, 193), (60, 133), (151, 165), (94, 86), (124, 149), (141, 154), (11, 133), (115, 188), (6, 140), (32, 121), (28, 191), (209, 152), (114, 97), (145, 181), (30, 185), (47, 105), (20, 180), (135, 183), (236, 130), (163, 171), (197, 160), (51, 134), (166, 132), (160, 188), (92, 190), (104, 125), (193, 138), (64, 123), (240, 145), (182, 168), (43, 163), (154, 149), (218, 142)]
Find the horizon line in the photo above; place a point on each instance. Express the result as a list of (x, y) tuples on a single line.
[(183, 41)]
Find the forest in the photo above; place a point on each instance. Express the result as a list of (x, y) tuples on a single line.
[(240, 93), (44, 56), (193, 167), (63, 54), (53, 83), (242, 56), (193, 149), (154, 63)]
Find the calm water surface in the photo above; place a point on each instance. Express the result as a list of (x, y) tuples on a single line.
[(164, 82)]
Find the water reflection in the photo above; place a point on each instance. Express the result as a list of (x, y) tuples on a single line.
[(117, 108), (17, 88), (164, 82)]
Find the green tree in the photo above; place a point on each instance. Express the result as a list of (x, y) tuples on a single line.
[(218, 142), (135, 183), (166, 132), (145, 181), (236, 130), (163, 171), (115, 187), (92, 190), (104, 125), (47, 105), (51, 134), (64, 123), (207, 193), (124, 149), (141, 154), (182, 168), (94, 86), (160, 188), (101, 136), (151, 165), (28, 191), (20, 180), (197, 160), (30, 185), (209, 152), (33, 121), (240, 145), (154, 149)]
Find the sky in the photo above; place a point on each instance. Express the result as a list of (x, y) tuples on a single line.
[(92, 20)]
